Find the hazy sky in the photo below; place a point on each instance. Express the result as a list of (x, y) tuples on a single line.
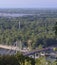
[(28, 3)]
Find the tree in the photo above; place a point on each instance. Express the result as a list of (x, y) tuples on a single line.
[(56, 29)]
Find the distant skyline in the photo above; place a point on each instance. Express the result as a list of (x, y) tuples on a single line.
[(28, 3)]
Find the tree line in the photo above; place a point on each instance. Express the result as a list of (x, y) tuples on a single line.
[(31, 31)]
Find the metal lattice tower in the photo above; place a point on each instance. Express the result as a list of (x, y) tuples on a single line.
[(12, 51), (19, 25)]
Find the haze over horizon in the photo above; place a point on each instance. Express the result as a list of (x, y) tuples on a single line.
[(28, 3)]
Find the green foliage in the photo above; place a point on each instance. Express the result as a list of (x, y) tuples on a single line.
[(17, 59), (8, 60), (43, 61), (56, 29), (34, 30)]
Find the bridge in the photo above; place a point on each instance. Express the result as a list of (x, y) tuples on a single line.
[(10, 49), (34, 54), (41, 52)]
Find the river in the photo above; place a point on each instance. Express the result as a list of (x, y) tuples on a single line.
[(13, 14)]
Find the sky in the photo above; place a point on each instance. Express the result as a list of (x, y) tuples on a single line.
[(28, 3)]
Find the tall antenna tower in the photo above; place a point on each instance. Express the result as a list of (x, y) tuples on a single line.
[(19, 25)]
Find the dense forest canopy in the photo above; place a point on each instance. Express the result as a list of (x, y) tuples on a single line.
[(31, 30)]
